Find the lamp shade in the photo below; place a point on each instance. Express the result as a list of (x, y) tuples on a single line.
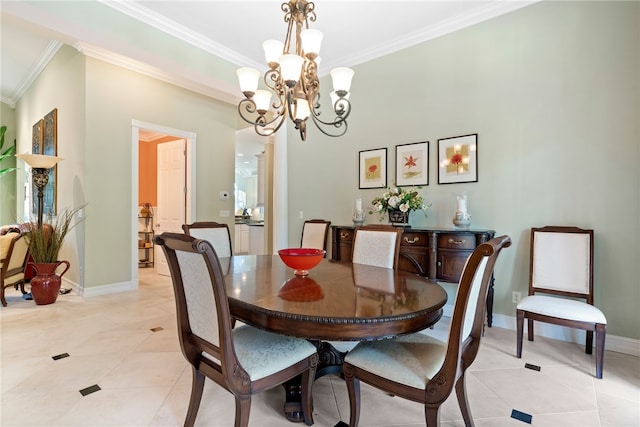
[(272, 50), (290, 67), (302, 109), (39, 160), (262, 98), (311, 40), (248, 79), (342, 78)]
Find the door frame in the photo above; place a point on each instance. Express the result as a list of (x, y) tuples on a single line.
[(190, 183)]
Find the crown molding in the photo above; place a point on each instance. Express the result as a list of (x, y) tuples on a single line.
[(136, 11), (34, 72), (167, 76)]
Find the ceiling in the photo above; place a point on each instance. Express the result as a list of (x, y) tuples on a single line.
[(122, 32)]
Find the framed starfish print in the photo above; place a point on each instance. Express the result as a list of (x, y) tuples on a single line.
[(412, 164)]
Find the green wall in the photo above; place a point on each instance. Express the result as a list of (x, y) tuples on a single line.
[(553, 91), (8, 180)]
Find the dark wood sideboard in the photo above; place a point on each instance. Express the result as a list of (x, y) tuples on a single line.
[(436, 253)]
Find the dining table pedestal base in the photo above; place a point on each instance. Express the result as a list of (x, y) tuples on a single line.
[(329, 362)]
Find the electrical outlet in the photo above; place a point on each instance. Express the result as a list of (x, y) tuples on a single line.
[(515, 297)]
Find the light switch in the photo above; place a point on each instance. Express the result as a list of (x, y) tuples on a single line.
[(224, 214)]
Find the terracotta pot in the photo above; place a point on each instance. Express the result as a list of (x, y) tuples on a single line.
[(45, 285)]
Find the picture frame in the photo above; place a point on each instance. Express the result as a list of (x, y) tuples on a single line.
[(37, 136), (412, 164), (458, 159), (373, 168), (50, 148)]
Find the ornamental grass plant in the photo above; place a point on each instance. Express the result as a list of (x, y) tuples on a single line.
[(45, 242)]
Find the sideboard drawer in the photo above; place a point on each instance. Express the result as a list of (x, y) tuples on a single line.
[(414, 239), (457, 241), (345, 234)]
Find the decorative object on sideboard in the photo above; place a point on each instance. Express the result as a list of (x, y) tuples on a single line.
[(358, 213), (293, 78), (398, 202), (461, 218)]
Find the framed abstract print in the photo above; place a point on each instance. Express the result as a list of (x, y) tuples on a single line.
[(373, 168), (412, 164), (458, 159)]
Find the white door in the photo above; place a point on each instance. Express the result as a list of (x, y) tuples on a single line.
[(171, 194)]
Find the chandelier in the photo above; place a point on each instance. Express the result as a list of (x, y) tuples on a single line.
[(293, 78)]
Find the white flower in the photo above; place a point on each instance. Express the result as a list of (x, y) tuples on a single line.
[(378, 207), (393, 201), (404, 207)]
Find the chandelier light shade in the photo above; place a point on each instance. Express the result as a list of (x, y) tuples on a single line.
[(292, 80)]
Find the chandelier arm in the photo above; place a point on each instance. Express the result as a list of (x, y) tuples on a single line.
[(342, 108), (340, 125), (249, 106)]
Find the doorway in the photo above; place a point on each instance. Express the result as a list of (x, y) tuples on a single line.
[(142, 131)]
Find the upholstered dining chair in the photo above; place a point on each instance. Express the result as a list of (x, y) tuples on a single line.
[(314, 234), (561, 287), (421, 368), (244, 360), (377, 244), (13, 259), (216, 233)]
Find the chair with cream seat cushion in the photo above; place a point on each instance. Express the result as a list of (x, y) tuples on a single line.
[(13, 259), (377, 244), (314, 234), (422, 368), (244, 360), (216, 233), (561, 287)]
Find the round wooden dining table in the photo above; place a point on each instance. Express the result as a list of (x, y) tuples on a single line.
[(337, 301)]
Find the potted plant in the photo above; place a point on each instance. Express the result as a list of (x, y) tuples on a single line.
[(5, 153), (45, 242), (398, 202)]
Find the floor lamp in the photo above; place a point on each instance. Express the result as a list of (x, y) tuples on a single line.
[(40, 165)]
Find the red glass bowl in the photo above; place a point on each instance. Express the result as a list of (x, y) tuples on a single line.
[(301, 260)]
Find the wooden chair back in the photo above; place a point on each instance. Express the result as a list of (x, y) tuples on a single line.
[(216, 233), (314, 234), (377, 244)]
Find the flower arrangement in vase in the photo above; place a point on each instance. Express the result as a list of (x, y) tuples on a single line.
[(397, 202)]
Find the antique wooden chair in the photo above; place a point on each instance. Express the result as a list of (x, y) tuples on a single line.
[(419, 367), (561, 266), (216, 233), (13, 259), (377, 244), (314, 234), (244, 360)]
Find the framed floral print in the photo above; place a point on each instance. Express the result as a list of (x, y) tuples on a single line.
[(458, 159), (412, 164), (373, 168)]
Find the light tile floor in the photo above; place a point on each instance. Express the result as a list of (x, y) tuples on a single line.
[(144, 380)]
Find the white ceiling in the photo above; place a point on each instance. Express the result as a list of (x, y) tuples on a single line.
[(355, 32)]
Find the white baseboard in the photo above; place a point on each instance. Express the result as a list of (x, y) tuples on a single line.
[(615, 343), (112, 288)]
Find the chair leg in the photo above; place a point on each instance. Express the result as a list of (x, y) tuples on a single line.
[(307, 397), (601, 331), (530, 329), (243, 408), (353, 389), (463, 403), (588, 348), (197, 387), (519, 331), (4, 301), (432, 415)]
